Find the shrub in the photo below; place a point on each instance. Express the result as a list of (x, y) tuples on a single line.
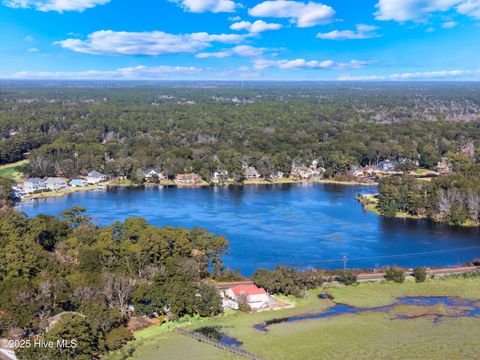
[(395, 274), (347, 278), (288, 281), (420, 274), (118, 337)]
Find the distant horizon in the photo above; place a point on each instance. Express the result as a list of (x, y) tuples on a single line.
[(419, 81)]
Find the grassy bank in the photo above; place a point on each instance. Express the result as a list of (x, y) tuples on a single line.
[(12, 171), (59, 193), (371, 335), (370, 204)]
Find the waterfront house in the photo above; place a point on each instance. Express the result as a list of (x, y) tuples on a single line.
[(33, 184), (152, 174), (18, 190), (55, 183), (77, 183), (302, 172), (251, 173), (220, 175), (386, 166), (357, 171), (277, 175), (188, 179), (444, 166), (94, 177), (255, 297), (371, 170)]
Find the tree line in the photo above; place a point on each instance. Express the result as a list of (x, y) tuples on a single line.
[(65, 278)]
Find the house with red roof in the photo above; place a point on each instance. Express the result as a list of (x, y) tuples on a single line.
[(256, 298)]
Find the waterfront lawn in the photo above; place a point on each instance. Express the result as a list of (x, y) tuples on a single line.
[(12, 171), (59, 193), (371, 335)]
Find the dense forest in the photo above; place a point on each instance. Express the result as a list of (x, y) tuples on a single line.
[(119, 129), (65, 278)]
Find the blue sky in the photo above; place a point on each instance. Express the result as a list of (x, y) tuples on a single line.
[(240, 40)]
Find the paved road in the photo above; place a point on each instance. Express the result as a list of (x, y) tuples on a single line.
[(439, 272), (375, 276)]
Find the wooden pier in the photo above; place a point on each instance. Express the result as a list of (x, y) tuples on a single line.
[(218, 344)]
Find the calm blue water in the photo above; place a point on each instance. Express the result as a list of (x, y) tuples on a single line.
[(305, 225)]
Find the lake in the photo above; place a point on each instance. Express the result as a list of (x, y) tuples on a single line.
[(305, 225)]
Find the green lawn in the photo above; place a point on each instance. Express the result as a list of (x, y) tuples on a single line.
[(371, 335), (11, 171)]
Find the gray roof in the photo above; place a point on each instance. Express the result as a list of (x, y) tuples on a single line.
[(55, 180), (95, 174), (34, 180)]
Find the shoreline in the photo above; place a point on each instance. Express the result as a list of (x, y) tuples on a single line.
[(369, 203), (128, 183)]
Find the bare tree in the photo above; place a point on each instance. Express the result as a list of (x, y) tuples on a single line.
[(118, 291), (473, 205)]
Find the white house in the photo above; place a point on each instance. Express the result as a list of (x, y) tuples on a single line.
[(33, 184), (357, 171), (55, 183), (251, 173), (94, 177), (256, 298), (220, 175), (302, 172), (151, 173)]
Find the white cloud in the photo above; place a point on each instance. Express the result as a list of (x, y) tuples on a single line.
[(420, 10), (470, 8), (200, 6), (108, 42), (296, 64), (127, 73), (32, 50), (256, 27), (458, 74), (234, 18), (55, 5), (29, 38), (241, 50), (362, 32), (449, 24), (360, 78), (302, 14), (428, 75)]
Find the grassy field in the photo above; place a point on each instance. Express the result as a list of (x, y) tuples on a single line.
[(370, 335), (11, 171)]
